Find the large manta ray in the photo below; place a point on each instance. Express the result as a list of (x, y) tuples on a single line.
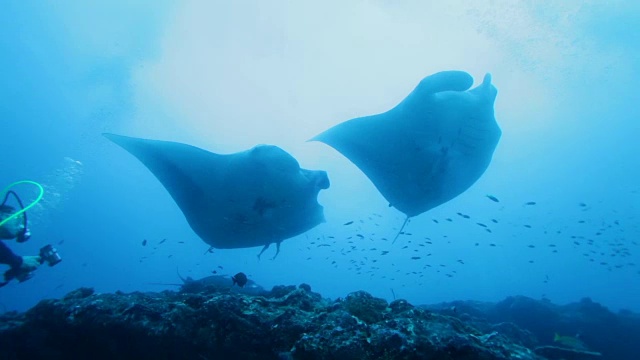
[(251, 198), (428, 149)]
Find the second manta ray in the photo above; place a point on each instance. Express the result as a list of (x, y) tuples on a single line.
[(428, 149), (250, 198)]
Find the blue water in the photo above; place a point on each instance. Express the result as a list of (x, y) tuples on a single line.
[(225, 77)]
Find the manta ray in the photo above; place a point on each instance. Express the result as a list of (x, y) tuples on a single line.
[(215, 283), (428, 149), (251, 198)]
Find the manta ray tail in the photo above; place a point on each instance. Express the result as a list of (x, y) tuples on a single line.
[(406, 221), (165, 284), (209, 250)]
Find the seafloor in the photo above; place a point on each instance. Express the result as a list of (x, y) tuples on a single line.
[(289, 322)]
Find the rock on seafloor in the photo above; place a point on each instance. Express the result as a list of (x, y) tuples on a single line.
[(287, 322)]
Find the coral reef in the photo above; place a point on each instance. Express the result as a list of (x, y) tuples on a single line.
[(287, 322), (595, 331)]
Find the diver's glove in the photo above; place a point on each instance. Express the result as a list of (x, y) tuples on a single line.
[(24, 271), (30, 263)]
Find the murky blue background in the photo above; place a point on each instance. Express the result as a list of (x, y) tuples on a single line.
[(225, 77)]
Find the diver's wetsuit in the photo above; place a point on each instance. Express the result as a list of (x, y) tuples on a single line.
[(8, 257)]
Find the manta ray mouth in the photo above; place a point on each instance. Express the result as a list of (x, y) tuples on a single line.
[(322, 180)]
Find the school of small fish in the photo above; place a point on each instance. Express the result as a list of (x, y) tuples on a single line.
[(363, 244), (364, 248)]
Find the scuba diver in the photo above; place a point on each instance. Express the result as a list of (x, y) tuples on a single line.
[(13, 225)]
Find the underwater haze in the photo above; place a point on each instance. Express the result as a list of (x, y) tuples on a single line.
[(226, 76)]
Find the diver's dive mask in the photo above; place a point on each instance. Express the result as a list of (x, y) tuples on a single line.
[(23, 236)]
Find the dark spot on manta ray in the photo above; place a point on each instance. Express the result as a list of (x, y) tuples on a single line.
[(261, 205)]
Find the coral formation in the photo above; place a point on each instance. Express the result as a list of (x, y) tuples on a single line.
[(287, 322)]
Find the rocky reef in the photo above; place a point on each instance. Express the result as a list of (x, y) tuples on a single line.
[(287, 322), (580, 330)]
